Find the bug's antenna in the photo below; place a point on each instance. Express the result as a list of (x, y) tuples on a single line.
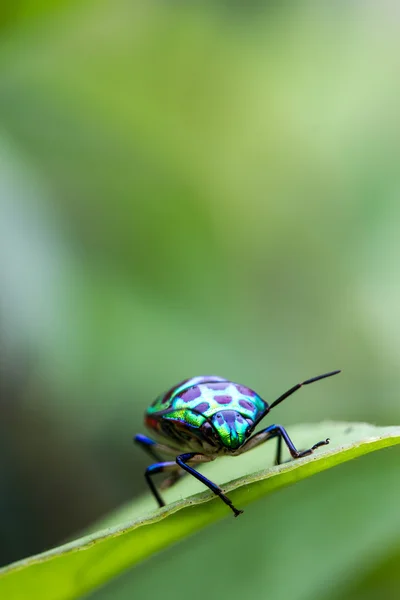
[(299, 385)]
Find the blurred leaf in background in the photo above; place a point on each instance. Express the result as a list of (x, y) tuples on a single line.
[(186, 189)]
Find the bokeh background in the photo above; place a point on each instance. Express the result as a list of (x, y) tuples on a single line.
[(189, 188)]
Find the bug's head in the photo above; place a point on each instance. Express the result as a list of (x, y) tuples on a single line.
[(231, 428)]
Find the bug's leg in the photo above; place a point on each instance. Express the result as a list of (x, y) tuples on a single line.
[(263, 436), (280, 432), (182, 461), (153, 470), (153, 448), (176, 473), (278, 456)]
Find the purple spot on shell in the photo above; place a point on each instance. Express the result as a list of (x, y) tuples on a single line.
[(218, 386), (202, 407), (223, 399), (245, 390), (246, 405), (230, 417), (191, 394)]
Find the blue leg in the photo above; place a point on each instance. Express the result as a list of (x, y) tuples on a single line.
[(148, 445), (153, 448), (160, 467), (182, 462), (280, 432), (153, 470)]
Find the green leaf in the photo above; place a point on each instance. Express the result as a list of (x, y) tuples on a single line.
[(80, 566), (380, 580)]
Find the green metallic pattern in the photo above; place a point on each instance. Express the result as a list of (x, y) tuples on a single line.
[(187, 416), (166, 400), (252, 405), (231, 409)]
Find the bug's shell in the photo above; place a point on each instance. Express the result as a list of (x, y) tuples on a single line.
[(179, 414)]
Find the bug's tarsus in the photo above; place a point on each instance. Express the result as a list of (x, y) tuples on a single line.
[(319, 444), (277, 431), (299, 385), (310, 451)]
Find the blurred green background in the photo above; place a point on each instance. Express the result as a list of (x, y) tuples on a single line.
[(189, 188)]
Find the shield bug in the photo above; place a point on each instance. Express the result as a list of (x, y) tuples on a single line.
[(205, 417)]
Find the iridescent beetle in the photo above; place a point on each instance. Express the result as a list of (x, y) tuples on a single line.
[(205, 417)]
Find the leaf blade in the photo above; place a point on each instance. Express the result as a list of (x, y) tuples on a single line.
[(69, 571)]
